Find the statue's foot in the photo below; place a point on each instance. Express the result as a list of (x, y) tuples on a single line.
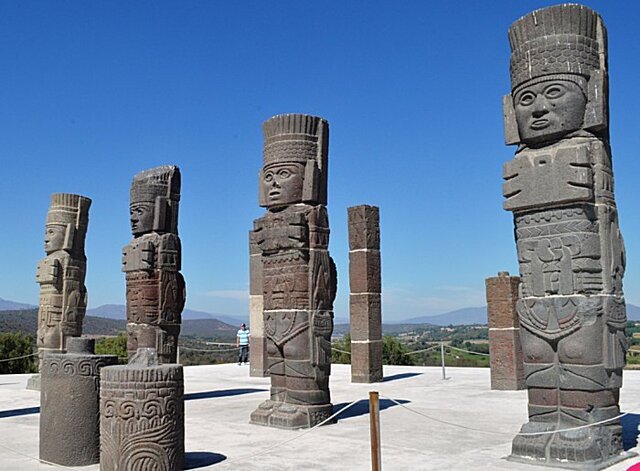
[(261, 415), (295, 416), (592, 445), (532, 447)]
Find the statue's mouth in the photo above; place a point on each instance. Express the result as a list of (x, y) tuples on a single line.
[(274, 193), (540, 124)]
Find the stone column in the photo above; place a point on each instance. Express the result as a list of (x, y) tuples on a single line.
[(70, 404), (559, 187), (365, 311), (142, 415), (507, 369), (299, 276), (152, 262), (258, 343)]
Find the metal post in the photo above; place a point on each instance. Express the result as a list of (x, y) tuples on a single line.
[(374, 424), (444, 373)]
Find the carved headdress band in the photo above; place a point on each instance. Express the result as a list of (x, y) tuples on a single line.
[(562, 39), (67, 208), (163, 181)]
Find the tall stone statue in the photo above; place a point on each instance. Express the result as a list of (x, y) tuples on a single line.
[(299, 276), (559, 187), (155, 286), (63, 295)]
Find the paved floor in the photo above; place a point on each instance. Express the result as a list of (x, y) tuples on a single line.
[(220, 398)]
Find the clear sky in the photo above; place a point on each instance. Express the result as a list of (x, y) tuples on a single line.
[(93, 92)]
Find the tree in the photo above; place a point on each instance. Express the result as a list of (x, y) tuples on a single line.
[(17, 345), (394, 353), (345, 345), (113, 346)]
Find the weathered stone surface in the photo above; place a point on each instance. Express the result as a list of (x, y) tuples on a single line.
[(298, 275), (365, 316), (152, 263), (366, 361), (364, 227), (70, 404), (507, 368), (560, 189), (61, 274), (258, 365), (364, 271), (365, 308), (142, 418)]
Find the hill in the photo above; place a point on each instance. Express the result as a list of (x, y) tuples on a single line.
[(6, 305), (26, 322), (118, 311)]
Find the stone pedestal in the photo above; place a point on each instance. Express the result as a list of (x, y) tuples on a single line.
[(507, 367), (142, 418), (365, 300), (70, 404), (258, 347)]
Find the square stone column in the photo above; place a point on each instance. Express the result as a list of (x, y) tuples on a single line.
[(507, 367), (258, 344), (365, 298)]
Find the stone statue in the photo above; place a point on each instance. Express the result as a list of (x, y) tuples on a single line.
[(155, 286), (70, 404), (142, 415), (63, 295), (559, 187), (299, 276)]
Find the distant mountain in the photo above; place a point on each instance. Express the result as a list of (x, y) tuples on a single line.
[(465, 316), (478, 315), (119, 311), (208, 328), (6, 305), (26, 322)]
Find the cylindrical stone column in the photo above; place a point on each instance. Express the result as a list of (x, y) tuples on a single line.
[(69, 404), (365, 298), (142, 418), (507, 366), (258, 349)]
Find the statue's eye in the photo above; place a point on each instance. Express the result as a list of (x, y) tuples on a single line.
[(284, 173), (526, 99), (268, 177), (554, 91)]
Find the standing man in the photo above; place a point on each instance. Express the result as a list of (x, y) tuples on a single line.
[(242, 341)]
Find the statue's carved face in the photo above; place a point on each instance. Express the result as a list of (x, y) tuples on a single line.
[(141, 218), (549, 110), (54, 237), (282, 184)]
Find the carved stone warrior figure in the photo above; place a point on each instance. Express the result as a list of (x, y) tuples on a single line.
[(559, 187), (299, 276), (155, 286), (63, 295)]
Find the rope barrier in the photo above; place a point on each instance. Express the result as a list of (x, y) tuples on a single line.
[(18, 358), (424, 350), (467, 351), (341, 351), (300, 435), (35, 459), (210, 351)]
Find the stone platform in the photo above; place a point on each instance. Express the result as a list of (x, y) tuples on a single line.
[(219, 399)]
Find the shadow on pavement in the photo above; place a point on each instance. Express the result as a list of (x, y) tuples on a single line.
[(400, 376), (221, 393), (630, 424), (17, 412), (362, 407), (200, 459)]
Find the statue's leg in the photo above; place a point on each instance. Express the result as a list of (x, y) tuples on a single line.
[(275, 363)]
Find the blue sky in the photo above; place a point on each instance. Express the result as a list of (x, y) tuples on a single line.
[(93, 92)]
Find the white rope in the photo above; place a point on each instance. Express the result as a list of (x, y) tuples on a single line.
[(18, 358), (424, 350), (547, 432), (302, 434), (34, 458), (467, 351), (341, 351)]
